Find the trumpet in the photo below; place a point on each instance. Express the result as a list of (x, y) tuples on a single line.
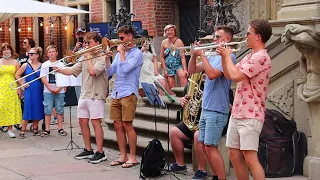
[(208, 48), (80, 56)]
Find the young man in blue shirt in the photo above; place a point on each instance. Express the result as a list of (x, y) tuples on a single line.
[(127, 66), (215, 102)]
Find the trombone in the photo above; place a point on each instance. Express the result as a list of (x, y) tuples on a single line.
[(208, 48), (80, 56)]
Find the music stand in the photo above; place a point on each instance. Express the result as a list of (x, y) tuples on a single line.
[(70, 102), (167, 168)]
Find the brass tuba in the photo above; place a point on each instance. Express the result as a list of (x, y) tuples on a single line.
[(191, 109)]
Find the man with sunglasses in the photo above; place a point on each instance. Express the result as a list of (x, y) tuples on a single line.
[(248, 112), (127, 66), (27, 44), (215, 102), (92, 99)]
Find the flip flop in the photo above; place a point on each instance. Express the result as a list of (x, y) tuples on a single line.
[(129, 165), (116, 163)]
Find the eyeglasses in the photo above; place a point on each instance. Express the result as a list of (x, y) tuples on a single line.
[(31, 54), (121, 38)]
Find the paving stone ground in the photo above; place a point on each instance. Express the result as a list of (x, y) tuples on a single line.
[(35, 158)]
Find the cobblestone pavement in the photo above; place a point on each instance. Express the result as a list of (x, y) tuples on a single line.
[(35, 158)]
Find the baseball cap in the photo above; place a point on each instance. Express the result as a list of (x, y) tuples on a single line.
[(81, 30)]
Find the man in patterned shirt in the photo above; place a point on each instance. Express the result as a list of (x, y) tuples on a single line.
[(246, 122)]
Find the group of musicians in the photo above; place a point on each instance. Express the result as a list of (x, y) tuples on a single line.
[(245, 124)]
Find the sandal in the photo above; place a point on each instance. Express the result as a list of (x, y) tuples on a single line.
[(116, 163), (36, 132), (62, 132), (21, 135), (129, 165), (45, 133)]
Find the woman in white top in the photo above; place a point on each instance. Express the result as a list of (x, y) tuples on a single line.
[(149, 71)]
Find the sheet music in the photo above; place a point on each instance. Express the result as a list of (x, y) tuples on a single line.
[(152, 94)]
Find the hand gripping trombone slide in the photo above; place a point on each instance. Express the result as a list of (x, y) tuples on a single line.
[(80, 56)]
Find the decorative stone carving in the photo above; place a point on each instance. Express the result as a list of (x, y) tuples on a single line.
[(307, 42), (283, 98)]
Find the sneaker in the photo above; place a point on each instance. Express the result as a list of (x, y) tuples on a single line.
[(97, 157), (11, 134), (200, 175), (85, 154), (176, 168)]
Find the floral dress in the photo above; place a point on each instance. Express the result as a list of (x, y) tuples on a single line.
[(10, 107)]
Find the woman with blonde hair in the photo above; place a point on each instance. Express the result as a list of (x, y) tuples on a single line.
[(173, 62), (10, 107), (33, 93)]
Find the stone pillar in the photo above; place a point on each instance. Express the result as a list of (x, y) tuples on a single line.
[(307, 42), (299, 9)]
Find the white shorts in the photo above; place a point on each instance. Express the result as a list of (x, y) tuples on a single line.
[(90, 109), (244, 134)]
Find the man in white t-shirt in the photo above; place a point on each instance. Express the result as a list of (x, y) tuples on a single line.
[(53, 95)]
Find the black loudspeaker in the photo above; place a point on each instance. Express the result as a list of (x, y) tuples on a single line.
[(70, 97)]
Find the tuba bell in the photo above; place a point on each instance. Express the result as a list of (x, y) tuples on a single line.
[(191, 109)]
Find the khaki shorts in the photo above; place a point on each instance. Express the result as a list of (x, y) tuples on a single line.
[(123, 109), (244, 134)]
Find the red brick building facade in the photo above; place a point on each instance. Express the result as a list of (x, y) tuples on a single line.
[(154, 14)]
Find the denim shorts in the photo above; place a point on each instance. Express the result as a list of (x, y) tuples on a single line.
[(211, 125), (53, 100)]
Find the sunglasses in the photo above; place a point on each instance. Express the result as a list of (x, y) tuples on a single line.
[(31, 54), (121, 38), (217, 36)]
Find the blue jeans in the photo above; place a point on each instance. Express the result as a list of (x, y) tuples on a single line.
[(53, 100), (211, 125)]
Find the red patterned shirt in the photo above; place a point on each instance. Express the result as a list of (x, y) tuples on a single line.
[(251, 93)]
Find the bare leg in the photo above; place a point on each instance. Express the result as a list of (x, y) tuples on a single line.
[(176, 141), (239, 164), (47, 119), (24, 125), (122, 140), (60, 119), (84, 125), (254, 165), (132, 140), (215, 161), (171, 83), (182, 78), (98, 133), (199, 153)]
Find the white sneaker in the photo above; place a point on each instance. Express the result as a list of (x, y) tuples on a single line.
[(11, 134)]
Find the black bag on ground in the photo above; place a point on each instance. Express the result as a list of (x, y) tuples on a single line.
[(277, 151), (301, 147), (153, 160)]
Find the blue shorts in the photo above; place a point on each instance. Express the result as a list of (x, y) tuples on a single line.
[(53, 100), (211, 125)]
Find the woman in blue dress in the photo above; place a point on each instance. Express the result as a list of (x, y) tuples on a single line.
[(33, 94)]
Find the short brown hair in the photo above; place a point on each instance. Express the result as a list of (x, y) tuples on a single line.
[(126, 30), (94, 36), (262, 27), (226, 29), (6, 46)]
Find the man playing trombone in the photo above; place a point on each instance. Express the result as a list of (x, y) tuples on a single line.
[(127, 66), (91, 104), (215, 102)]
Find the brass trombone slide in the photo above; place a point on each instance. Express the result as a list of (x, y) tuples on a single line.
[(96, 51), (209, 48)]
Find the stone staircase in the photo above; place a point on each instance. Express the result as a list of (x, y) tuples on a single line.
[(144, 124)]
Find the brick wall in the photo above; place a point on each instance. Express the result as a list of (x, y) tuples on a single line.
[(4, 34), (155, 14), (96, 9)]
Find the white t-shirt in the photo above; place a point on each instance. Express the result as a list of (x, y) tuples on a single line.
[(51, 78)]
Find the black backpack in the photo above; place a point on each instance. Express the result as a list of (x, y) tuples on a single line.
[(153, 160), (277, 145)]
